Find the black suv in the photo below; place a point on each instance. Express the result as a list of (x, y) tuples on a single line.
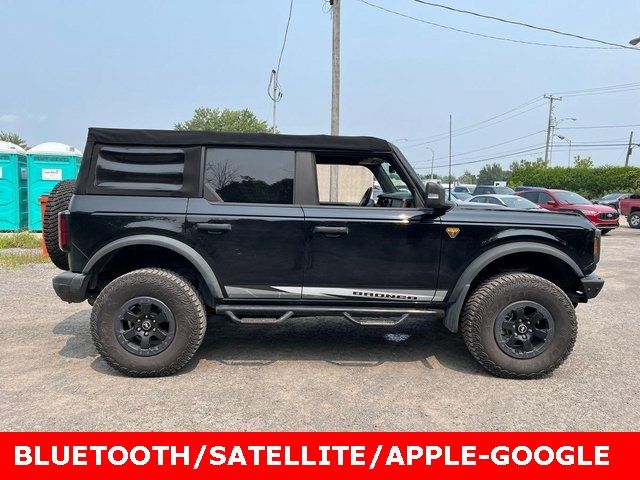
[(163, 228)]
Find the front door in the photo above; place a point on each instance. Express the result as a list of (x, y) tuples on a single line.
[(247, 226), (375, 250)]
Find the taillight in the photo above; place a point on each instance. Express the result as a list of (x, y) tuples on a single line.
[(63, 230)]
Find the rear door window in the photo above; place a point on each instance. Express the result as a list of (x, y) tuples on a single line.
[(249, 175), (531, 196)]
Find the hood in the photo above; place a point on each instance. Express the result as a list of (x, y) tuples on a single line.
[(595, 208)]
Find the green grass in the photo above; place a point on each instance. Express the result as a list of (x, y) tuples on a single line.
[(20, 240), (9, 261)]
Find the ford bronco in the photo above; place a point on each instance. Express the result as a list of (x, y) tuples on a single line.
[(164, 228)]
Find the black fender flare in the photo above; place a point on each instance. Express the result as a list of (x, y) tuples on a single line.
[(459, 292), (214, 290)]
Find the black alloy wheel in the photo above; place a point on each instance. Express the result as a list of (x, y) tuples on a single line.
[(524, 329), (145, 326)]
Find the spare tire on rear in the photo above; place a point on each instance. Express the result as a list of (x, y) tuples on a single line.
[(58, 201)]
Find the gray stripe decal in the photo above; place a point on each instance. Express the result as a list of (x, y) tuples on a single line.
[(267, 292), (294, 291)]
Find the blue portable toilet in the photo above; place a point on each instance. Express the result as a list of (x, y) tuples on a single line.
[(48, 164), (13, 187)]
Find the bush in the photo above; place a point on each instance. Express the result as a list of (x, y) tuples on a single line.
[(588, 182)]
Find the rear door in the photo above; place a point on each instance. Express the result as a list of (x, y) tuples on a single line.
[(247, 225)]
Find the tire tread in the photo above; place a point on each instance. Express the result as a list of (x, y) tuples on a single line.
[(472, 318), (58, 201), (194, 342)]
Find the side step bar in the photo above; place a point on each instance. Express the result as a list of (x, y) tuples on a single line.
[(365, 316)]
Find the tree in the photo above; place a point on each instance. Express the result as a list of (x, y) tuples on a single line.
[(581, 162), (467, 177), (215, 120), (13, 138), (446, 180), (492, 173), (537, 163)]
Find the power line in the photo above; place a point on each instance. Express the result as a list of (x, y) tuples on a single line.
[(286, 33), (274, 89), (493, 37), (599, 127), (495, 157), (530, 151), (516, 155), (602, 92), (526, 25), (491, 146), (608, 87), (461, 132)]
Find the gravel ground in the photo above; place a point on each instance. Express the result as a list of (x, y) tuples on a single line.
[(318, 374)]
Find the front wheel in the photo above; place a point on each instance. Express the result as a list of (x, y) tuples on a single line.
[(148, 323), (519, 325), (634, 220)]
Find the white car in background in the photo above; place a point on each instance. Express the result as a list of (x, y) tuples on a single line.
[(509, 201)]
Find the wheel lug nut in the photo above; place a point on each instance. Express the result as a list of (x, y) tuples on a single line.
[(146, 334), (138, 329)]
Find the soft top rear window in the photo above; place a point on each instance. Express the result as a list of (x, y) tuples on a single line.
[(146, 171)]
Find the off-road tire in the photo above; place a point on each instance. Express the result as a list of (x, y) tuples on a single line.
[(180, 297), (58, 202), (485, 303), (634, 219)]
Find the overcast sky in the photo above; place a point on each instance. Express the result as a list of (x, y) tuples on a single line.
[(70, 65)]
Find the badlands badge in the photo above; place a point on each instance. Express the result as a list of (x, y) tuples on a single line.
[(453, 231)]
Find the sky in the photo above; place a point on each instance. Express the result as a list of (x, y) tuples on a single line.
[(70, 65)]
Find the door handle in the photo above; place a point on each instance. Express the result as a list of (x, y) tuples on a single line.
[(214, 227), (331, 231)]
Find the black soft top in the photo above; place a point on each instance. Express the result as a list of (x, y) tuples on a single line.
[(122, 136)]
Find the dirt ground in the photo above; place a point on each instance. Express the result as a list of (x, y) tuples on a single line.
[(318, 373)]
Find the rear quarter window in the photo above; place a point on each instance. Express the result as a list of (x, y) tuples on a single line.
[(146, 171)]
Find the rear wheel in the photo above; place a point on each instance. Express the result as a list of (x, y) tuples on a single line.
[(148, 323), (58, 201), (519, 325), (634, 220)]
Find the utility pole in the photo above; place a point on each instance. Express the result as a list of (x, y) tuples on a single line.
[(550, 125), (335, 95), (626, 162), (450, 132)]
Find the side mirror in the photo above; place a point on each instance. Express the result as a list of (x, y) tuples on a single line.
[(552, 203), (434, 196)]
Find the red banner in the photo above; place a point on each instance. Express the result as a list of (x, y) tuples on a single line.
[(579, 456)]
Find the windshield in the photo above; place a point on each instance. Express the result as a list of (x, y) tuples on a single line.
[(518, 202), (571, 197), (503, 191), (612, 196), (461, 195), (412, 173)]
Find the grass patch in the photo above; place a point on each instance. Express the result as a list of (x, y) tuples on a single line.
[(20, 240), (10, 261)]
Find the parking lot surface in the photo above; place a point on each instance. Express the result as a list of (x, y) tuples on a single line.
[(319, 373)]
